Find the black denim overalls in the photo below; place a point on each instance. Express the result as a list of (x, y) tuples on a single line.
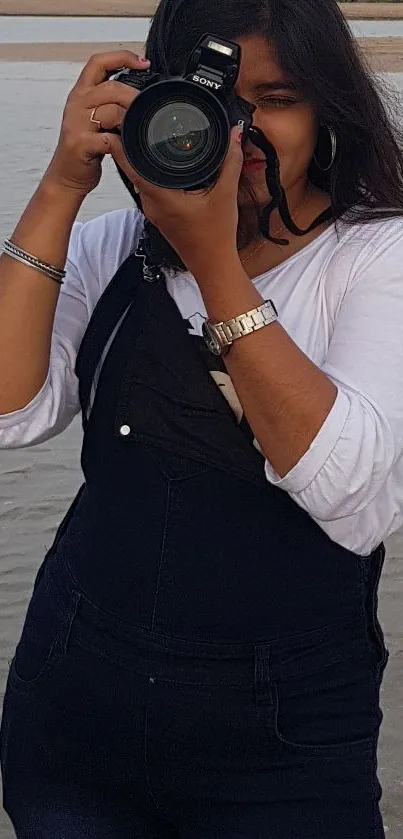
[(192, 619)]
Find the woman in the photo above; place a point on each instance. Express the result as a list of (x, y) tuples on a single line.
[(202, 655)]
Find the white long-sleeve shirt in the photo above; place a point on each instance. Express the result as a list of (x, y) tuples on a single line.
[(341, 301)]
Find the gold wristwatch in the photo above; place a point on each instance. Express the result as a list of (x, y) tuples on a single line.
[(219, 337)]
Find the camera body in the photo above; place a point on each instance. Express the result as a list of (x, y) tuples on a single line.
[(176, 133)]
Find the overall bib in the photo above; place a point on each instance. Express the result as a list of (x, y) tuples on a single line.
[(198, 659)]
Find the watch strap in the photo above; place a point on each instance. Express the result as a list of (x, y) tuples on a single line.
[(230, 330)]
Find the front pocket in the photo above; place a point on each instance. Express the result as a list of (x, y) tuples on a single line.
[(46, 630), (332, 712), (155, 411)]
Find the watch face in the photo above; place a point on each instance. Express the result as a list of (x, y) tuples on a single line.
[(211, 339)]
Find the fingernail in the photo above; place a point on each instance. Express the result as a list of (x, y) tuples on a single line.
[(144, 60), (240, 135)]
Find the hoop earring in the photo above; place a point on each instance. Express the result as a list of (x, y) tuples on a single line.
[(333, 143)]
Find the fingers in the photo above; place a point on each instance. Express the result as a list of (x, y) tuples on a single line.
[(235, 151), (118, 154), (110, 116), (107, 102), (93, 146), (109, 93), (101, 65), (116, 150), (234, 160)]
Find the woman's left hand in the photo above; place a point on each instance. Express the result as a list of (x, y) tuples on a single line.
[(200, 226)]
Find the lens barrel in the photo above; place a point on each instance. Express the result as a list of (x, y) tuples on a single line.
[(176, 134)]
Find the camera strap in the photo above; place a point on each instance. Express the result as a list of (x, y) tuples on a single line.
[(276, 190)]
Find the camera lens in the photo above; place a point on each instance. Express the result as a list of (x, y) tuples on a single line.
[(176, 134), (179, 135)]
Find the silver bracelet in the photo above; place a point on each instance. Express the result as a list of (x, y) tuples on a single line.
[(32, 262)]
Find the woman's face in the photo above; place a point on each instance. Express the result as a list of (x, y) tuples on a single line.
[(287, 121)]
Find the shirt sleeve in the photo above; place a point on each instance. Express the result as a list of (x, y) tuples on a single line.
[(356, 460), (55, 406), (97, 248)]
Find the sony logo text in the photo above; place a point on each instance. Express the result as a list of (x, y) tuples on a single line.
[(206, 82)]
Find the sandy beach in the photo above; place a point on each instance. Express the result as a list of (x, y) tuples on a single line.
[(370, 11), (383, 54), (146, 8), (80, 8), (79, 52)]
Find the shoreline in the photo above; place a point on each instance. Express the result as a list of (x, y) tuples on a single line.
[(146, 8), (71, 52), (383, 54), (369, 11), (93, 8)]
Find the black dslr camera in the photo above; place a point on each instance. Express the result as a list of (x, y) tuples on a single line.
[(176, 133)]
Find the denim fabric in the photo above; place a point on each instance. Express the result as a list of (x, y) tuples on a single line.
[(113, 731), (198, 659)]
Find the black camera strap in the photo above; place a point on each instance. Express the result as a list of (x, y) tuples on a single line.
[(155, 242), (279, 198)]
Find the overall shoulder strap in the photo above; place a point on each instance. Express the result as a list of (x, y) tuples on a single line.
[(113, 303)]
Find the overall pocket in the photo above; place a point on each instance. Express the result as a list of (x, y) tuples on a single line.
[(46, 629), (332, 712)]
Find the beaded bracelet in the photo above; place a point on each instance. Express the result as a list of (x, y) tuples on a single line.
[(32, 262)]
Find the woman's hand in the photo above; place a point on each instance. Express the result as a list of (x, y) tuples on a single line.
[(200, 226), (77, 162)]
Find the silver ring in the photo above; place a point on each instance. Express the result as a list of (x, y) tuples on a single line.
[(93, 120)]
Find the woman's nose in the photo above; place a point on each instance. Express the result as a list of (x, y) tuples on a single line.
[(258, 121)]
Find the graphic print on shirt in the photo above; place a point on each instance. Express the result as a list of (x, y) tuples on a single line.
[(219, 373)]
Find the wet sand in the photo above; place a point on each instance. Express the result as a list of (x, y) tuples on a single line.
[(383, 54), (79, 52), (369, 11), (146, 8), (79, 8)]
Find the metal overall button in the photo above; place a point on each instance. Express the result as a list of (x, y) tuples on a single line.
[(151, 274)]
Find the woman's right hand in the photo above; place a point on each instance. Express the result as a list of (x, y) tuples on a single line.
[(77, 162)]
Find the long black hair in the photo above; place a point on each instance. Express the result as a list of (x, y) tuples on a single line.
[(315, 48)]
